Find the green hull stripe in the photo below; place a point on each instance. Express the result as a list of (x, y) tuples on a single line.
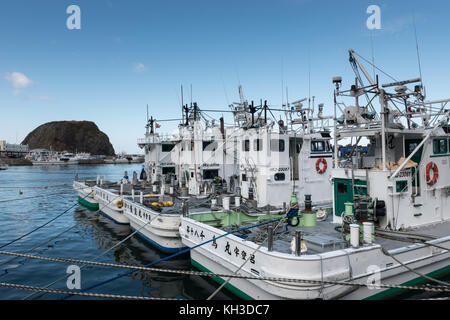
[(87, 204), (219, 280), (416, 281)]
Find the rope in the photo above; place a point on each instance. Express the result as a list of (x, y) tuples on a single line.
[(175, 254), (45, 195), (86, 294), (35, 229), (208, 274), (242, 265), (39, 245), (99, 256), (386, 252)]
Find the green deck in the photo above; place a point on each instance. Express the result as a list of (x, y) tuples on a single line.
[(223, 219)]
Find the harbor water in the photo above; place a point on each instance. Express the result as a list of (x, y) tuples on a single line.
[(31, 196)]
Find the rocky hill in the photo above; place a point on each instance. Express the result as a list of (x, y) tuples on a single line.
[(71, 136)]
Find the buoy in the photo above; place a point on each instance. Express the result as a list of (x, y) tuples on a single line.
[(324, 168), (434, 167)]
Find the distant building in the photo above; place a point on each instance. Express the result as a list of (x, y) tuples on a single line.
[(12, 150)]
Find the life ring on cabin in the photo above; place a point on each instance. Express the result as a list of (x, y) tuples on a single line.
[(324, 168), (432, 166)]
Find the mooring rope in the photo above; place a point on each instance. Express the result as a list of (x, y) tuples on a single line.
[(236, 276), (78, 293), (176, 254), (117, 244)]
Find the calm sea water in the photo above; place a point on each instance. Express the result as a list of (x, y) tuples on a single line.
[(91, 236)]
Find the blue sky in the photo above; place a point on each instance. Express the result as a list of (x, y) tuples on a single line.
[(132, 53)]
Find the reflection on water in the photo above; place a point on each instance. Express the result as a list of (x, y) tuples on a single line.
[(134, 252)]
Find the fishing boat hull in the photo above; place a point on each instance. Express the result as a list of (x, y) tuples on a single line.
[(85, 195), (160, 230), (361, 266), (111, 205)]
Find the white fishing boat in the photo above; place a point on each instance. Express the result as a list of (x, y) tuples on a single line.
[(110, 199), (85, 190), (390, 216), (46, 157), (186, 167)]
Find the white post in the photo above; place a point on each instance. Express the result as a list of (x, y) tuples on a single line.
[(237, 201), (226, 203), (98, 179), (132, 194), (354, 235), (121, 189), (367, 232), (141, 198)]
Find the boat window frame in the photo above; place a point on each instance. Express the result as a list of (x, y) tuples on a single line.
[(277, 145), (258, 144), (439, 140)]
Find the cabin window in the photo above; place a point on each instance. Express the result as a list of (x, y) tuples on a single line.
[(244, 177), (401, 186), (258, 145), (210, 174), (210, 145), (279, 176), (342, 188), (167, 170), (246, 145), (192, 174), (277, 145), (167, 147), (440, 146), (318, 146)]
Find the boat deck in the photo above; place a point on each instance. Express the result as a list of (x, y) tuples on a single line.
[(327, 236)]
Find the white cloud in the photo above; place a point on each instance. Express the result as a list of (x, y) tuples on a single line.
[(139, 67), (18, 80)]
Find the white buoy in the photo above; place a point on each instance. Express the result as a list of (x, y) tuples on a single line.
[(171, 190), (367, 232), (354, 235), (141, 198), (237, 201), (213, 202), (132, 194), (226, 203), (154, 188)]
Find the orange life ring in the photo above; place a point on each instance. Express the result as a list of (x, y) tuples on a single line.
[(434, 167), (324, 168)]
